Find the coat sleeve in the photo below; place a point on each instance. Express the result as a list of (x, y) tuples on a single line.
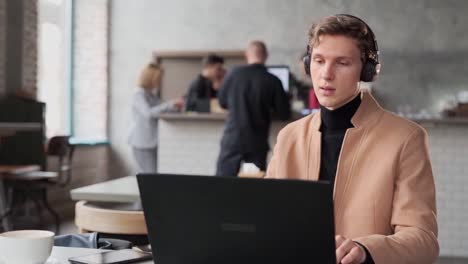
[(414, 209), (143, 108)]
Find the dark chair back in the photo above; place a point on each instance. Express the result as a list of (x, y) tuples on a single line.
[(60, 147)]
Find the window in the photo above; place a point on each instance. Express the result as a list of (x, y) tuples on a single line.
[(73, 71), (54, 64)]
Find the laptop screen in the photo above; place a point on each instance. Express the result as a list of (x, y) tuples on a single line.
[(207, 219)]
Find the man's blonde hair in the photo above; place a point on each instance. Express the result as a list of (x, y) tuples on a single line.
[(258, 48), (348, 26)]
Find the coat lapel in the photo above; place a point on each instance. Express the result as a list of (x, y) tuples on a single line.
[(314, 149), (345, 167)]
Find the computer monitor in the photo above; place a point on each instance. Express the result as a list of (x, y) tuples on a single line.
[(212, 220), (282, 72)]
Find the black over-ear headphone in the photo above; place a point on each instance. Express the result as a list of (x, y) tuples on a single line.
[(369, 69)]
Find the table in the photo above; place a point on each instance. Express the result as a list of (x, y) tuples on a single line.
[(20, 126), (5, 170), (17, 169), (60, 255), (124, 190), (10, 128), (117, 196)]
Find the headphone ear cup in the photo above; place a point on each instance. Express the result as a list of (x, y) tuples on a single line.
[(306, 61), (368, 71)]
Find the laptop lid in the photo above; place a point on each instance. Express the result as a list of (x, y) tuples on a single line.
[(207, 219)]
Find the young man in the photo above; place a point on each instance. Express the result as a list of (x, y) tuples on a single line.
[(250, 93), (384, 193), (205, 86)]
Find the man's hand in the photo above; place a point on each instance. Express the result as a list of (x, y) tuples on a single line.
[(348, 252), (178, 103)]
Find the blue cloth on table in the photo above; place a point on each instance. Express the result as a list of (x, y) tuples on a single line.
[(90, 240)]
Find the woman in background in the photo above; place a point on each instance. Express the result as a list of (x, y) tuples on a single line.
[(146, 107)]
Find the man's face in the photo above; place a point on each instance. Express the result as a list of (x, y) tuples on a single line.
[(215, 70), (335, 69)]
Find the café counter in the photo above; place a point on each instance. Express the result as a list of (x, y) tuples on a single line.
[(189, 143)]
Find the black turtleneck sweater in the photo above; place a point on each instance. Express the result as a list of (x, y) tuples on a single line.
[(333, 128)]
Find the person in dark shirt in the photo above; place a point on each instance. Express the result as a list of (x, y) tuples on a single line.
[(251, 94), (205, 86)]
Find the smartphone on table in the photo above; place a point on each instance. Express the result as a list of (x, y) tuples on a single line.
[(112, 257)]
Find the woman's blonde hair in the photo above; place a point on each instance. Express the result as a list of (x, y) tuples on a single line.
[(150, 76)]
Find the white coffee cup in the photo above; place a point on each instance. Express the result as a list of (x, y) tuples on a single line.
[(25, 246)]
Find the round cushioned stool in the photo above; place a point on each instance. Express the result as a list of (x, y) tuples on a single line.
[(109, 218)]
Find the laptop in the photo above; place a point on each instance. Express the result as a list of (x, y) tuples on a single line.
[(203, 105), (212, 220)]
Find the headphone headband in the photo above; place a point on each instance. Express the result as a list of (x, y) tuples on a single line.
[(374, 52)]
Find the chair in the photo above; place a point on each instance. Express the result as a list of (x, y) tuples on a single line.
[(60, 148), (112, 220), (34, 185), (260, 174), (96, 217)]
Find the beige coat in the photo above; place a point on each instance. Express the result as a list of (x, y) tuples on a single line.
[(384, 195)]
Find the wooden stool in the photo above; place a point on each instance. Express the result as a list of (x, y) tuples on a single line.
[(93, 217), (260, 174)]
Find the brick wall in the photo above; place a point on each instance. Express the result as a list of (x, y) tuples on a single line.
[(449, 152), (29, 45), (90, 69), (2, 45)]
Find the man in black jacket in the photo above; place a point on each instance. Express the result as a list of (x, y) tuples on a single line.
[(251, 94), (205, 87)]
